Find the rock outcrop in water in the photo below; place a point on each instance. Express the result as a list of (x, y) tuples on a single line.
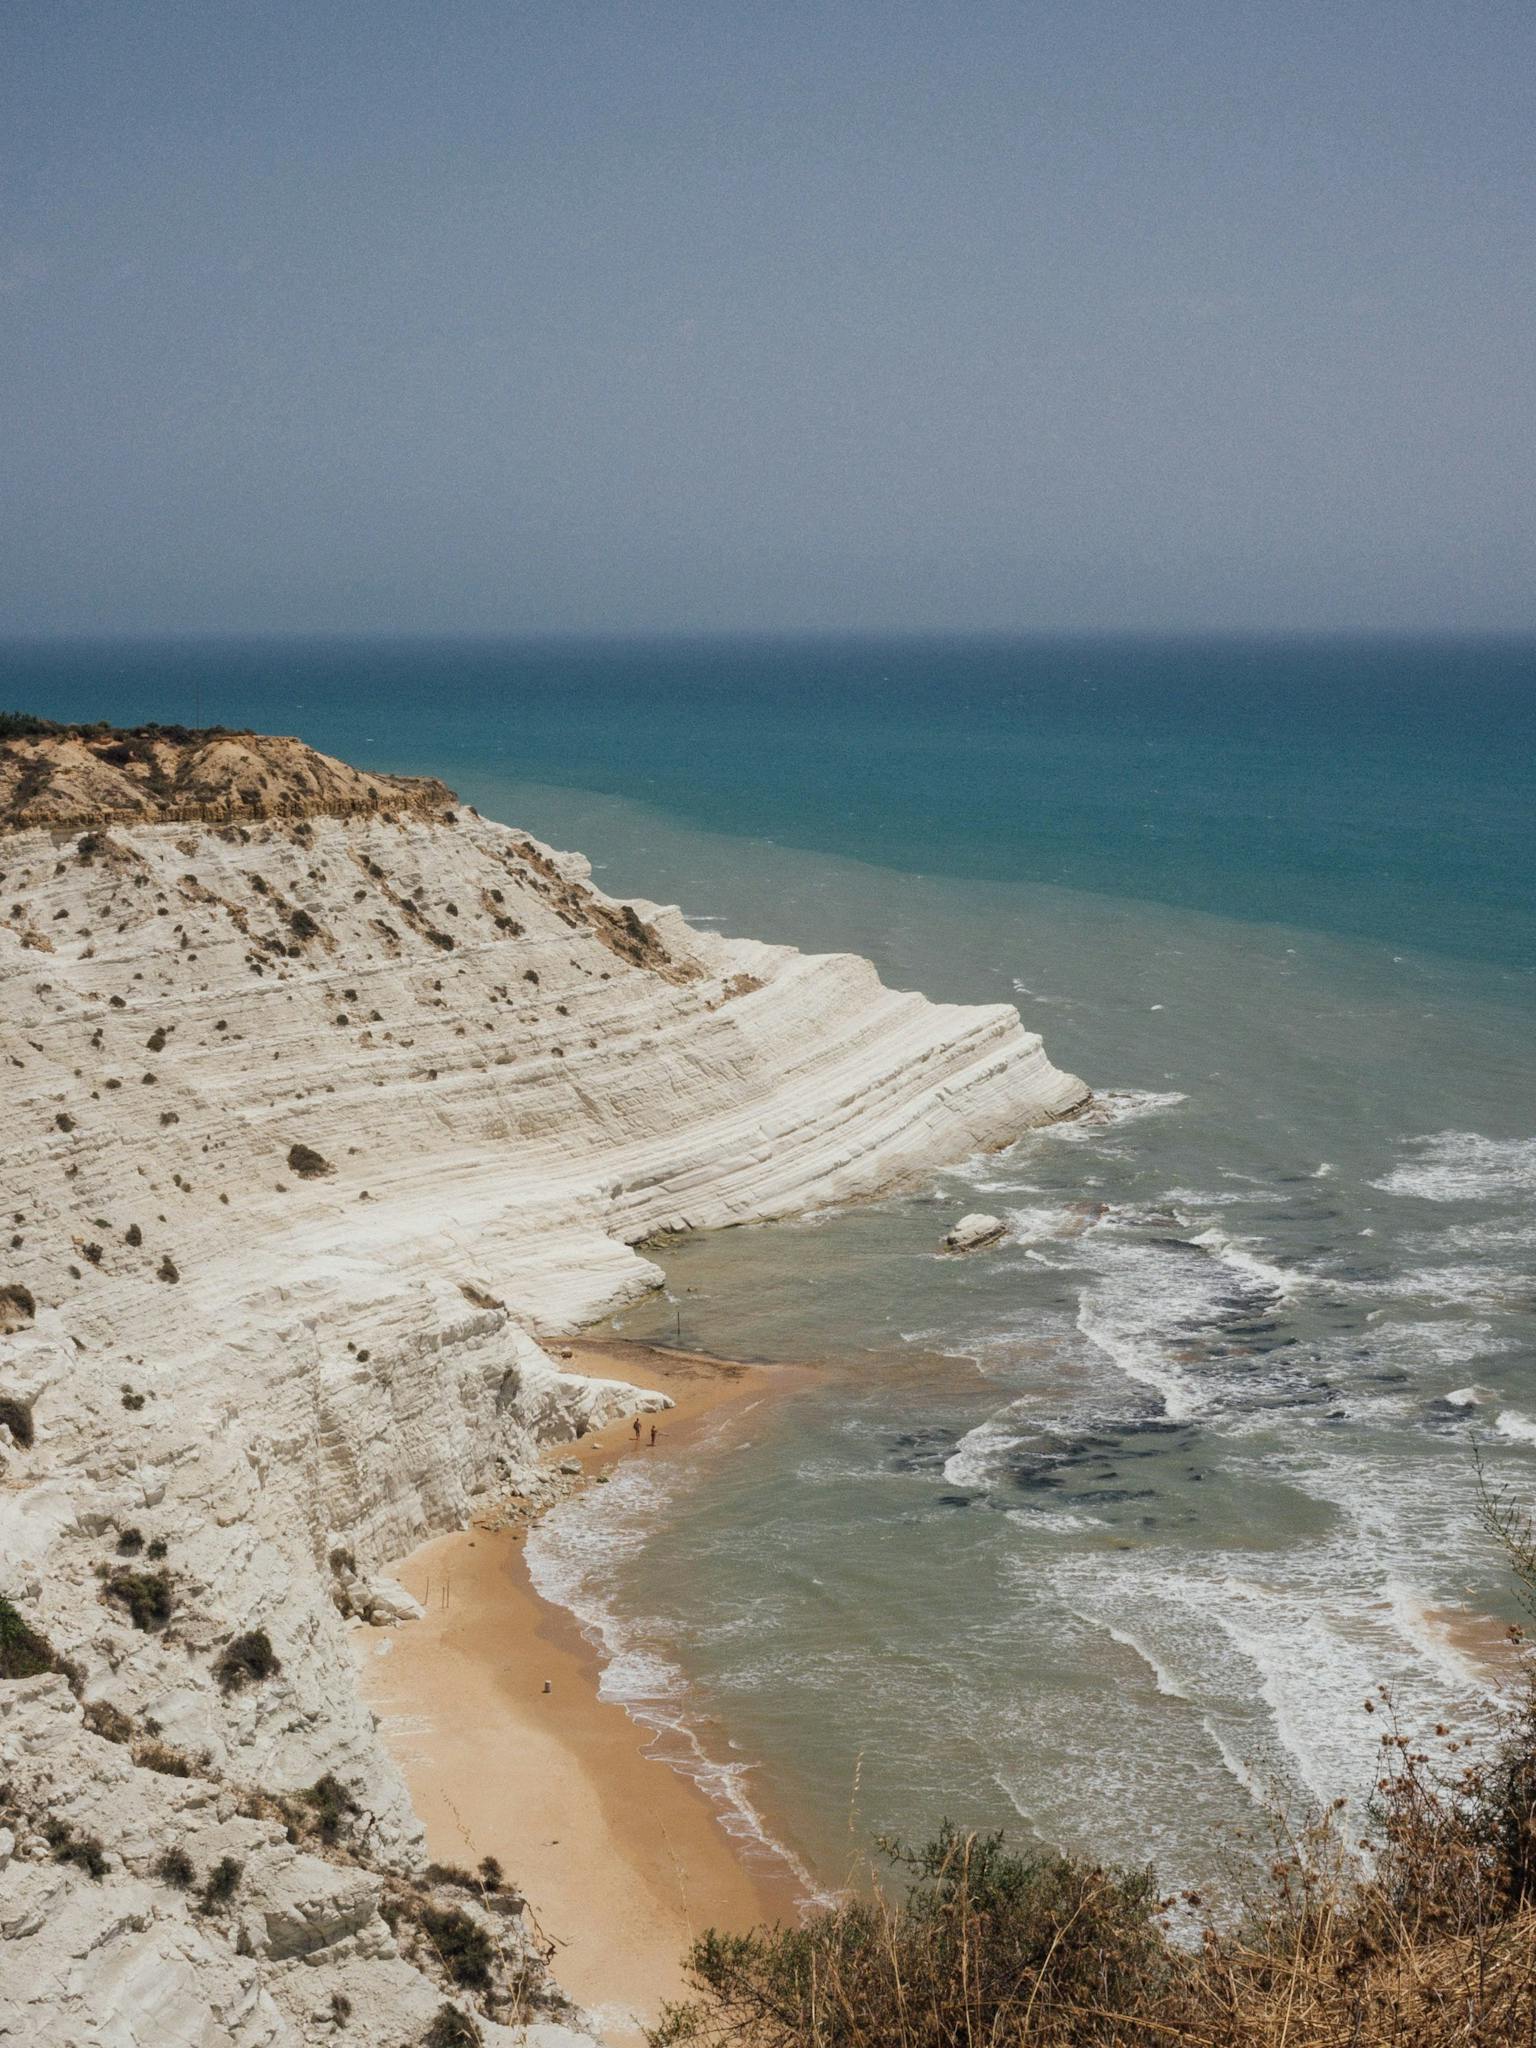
[(323, 1098), (974, 1232)]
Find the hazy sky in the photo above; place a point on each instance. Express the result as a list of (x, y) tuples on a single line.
[(476, 314)]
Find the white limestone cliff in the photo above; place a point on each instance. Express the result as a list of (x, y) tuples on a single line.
[(311, 1123)]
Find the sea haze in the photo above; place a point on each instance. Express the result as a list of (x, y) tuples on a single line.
[(1106, 1534)]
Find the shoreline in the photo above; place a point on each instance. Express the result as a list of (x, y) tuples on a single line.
[(623, 1857)]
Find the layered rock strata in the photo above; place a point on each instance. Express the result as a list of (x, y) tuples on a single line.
[(323, 1098)]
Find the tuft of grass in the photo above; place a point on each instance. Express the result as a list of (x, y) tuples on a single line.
[(159, 1756)]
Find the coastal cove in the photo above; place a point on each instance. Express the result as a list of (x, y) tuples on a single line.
[(492, 1705)]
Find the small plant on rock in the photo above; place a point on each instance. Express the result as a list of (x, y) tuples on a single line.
[(84, 1851), (333, 1805), (451, 2028), (174, 1868), (248, 1657), (307, 1163), (221, 1884), (146, 1595), (463, 1946), (23, 1652), (17, 1305), (107, 1721), (18, 1420)]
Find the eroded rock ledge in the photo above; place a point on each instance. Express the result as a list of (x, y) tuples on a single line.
[(317, 1114)]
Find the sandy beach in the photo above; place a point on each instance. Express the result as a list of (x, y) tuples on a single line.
[(622, 1859)]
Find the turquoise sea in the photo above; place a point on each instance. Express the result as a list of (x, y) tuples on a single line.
[(1103, 1537)]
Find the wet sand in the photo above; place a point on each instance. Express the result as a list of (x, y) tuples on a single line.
[(623, 1861)]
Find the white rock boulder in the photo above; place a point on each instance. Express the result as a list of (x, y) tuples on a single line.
[(971, 1233)]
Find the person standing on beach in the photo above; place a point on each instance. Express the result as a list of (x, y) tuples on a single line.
[(653, 1436), (637, 1429)]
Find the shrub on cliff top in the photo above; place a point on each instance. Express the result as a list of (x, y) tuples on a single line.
[(307, 1163)]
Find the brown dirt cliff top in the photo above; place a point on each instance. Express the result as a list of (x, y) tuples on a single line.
[(68, 776)]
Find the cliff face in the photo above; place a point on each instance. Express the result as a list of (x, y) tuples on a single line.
[(319, 1106)]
